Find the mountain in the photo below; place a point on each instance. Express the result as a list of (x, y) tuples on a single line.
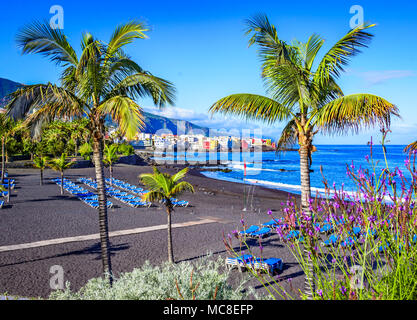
[(7, 87), (153, 122)]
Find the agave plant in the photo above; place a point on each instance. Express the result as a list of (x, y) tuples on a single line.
[(101, 82), (307, 100), (163, 187)]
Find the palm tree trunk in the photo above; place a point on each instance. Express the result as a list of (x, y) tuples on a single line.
[(62, 183), (102, 211), (111, 175), (170, 249), (3, 163), (8, 190), (309, 285)]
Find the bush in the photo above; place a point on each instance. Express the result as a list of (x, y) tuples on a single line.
[(125, 149), (168, 281)]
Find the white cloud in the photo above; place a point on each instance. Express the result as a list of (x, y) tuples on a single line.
[(372, 78)]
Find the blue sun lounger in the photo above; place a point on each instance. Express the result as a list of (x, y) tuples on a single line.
[(330, 242), (270, 265), (249, 230), (326, 228), (349, 242), (239, 262), (261, 233), (1, 204), (272, 223)]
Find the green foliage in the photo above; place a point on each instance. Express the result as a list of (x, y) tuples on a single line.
[(163, 186), (110, 154), (160, 283), (40, 162), (61, 164), (85, 151), (125, 149)]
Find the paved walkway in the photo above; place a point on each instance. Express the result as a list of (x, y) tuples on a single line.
[(111, 234)]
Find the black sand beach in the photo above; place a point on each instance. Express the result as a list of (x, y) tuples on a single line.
[(40, 213)]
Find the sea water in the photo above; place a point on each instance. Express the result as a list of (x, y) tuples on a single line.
[(282, 171)]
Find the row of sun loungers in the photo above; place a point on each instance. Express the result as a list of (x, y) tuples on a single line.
[(128, 199), (247, 261), (140, 191), (82, 194), (126, 186)]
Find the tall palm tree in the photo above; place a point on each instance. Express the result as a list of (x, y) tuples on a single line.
[(61, 164), (308, 100), (102, 82), (110, 157), (7, 126), (163, 187), (41, 162)]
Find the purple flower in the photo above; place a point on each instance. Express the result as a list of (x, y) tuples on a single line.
[(269, 212), (320, 293), (343, 290)]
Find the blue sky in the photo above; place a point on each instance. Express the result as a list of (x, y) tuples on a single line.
[(200, 46)]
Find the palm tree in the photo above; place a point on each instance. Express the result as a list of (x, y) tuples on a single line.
[(163, 187), (61, 164), (308, 101), (41, 162), (7, 127), (102, 82), (110, 157)]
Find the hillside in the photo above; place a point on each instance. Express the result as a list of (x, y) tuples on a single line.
[(153, 122)]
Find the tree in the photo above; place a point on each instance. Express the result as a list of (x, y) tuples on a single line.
[(61, 164), (102, 82), (110, 157), (41, 162), (163, 187), (7, 125), (308, 101)]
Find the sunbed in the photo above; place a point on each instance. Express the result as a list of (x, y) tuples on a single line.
[(272, 223), (331, 241), (251, 229), (1, 204), (270, 265), (239, 262), (261, 233)]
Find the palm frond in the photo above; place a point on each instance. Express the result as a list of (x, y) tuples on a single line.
[(41, 38), (179, 175), (126, 34), (289, 136), (339, 55), (354, 112), (251, 106), (125, 112)]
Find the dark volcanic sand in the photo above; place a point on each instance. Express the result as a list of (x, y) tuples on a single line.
[(40, 213)]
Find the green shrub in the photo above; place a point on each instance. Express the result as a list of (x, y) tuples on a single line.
[(125, 149), (160, 282)]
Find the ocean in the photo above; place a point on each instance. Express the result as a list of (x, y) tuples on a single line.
[(281, 171)]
